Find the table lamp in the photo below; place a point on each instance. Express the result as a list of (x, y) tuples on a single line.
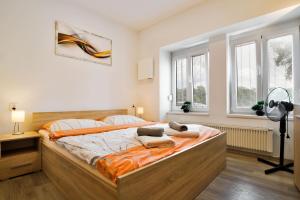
[(17, 117), (140, 111)]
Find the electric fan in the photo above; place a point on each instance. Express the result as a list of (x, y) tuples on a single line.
[(277, 107)]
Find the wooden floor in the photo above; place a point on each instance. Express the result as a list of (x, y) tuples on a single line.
[(242, 180)]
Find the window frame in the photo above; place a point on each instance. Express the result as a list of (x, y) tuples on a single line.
[(197, 107), (175, 77), (234, 42), (261, 38), (189, 53), (294, 31)]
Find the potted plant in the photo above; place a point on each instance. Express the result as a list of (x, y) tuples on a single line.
[(186, 106), (258, 108)]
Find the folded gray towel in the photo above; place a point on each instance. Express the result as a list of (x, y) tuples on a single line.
[(178, 127), (155, 131)]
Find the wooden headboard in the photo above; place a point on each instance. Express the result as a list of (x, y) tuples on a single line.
[(41, 118)]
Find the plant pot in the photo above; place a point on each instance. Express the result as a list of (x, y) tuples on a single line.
[(186, 110), (260, 113)]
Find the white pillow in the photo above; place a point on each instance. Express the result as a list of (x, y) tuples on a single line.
[(122, 119), (70, 124)]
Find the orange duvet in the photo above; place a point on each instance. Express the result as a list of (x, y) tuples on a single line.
[(115, 165)]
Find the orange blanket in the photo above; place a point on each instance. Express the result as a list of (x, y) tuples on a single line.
[(115, 165), (102, 129)]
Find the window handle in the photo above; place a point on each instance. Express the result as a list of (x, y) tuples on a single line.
[(170, 97)]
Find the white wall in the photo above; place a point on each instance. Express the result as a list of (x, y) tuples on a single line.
[(32, 76), (209, 16)]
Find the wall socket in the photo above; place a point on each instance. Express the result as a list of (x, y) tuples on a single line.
[(11, 106)]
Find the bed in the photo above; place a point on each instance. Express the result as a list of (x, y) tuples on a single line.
[(182, 175)]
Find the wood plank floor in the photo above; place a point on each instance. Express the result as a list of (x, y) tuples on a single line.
[(243, 179)]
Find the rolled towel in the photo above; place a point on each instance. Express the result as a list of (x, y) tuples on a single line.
[(151, 142), (155, 131), (182, 134), (178, 127)]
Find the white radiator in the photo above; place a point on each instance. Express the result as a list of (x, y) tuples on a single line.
[(256, 139)]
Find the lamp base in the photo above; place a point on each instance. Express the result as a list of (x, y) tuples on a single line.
[(18, 133), (140, 116), (277, 167)]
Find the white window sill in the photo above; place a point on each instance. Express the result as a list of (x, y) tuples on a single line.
[(187, 114), (245, 116)]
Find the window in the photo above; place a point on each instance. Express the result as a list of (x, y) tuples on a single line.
[(199, 73), (260, 63), (190, 77), (246, 72), (280, 62), (181, 81)]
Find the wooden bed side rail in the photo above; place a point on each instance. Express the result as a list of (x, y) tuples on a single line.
[(73, 179), (182, 176)]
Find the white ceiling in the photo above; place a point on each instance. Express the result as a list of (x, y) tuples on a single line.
[(138, 14)]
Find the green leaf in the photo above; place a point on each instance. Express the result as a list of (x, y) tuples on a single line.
[(255, 107), (261, 102)]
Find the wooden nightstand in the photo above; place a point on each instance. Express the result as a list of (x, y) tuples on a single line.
[(19, 154)]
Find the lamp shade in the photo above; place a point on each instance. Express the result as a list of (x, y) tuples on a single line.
[(140, 110), (18, 116)]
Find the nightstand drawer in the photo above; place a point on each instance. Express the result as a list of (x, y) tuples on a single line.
[(19, 164)]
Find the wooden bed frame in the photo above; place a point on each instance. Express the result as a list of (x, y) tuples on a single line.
[(183, 175)]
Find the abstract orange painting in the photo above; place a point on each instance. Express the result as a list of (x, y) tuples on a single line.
[(79, 44)]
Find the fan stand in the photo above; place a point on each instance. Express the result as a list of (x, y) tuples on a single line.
[(281, 166)]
